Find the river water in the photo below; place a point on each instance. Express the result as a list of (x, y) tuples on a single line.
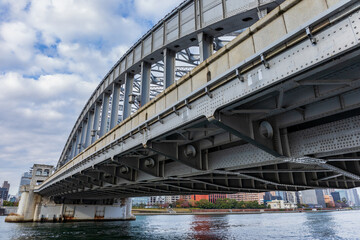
[(317, 225)]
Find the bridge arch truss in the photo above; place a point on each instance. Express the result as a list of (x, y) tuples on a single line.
[(265, 112)]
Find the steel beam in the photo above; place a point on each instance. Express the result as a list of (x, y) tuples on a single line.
[(190, 155), (149, 165), (261, 180), (83, 180), (129, 173), (328, 177), (251, 132)]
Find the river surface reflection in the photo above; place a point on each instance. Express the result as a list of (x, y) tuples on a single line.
[(327, 225)]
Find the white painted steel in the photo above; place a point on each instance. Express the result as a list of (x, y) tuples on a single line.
[(291, 62)]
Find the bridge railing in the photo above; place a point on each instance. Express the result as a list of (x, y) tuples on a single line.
[(194, 22)]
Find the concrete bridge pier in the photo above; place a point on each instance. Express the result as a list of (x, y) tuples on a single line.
[(26, 210), (36, 208), (29, 199), (49, 211), (27, 205)]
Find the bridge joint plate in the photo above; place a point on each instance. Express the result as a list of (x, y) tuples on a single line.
[(207, 91), (160, 120), (264, 61), (239, 76), (310, 35), (187, 104)]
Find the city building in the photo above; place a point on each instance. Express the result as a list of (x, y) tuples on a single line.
[(320, 197), (336, 196), (186, 197), (199, 197), (313, 197), (13, 198), (281, 204), (309, 197), (328, 191), (4, 191), (329, 201), (247, 197), (137, 201), (281, 194), (25, 180), (214, 197), (171, 199), (269, 196), (298, 197), (156, 200), (6, 184), (352, 197), (356, 197), (194, 197), (291, 197), (343, 195)]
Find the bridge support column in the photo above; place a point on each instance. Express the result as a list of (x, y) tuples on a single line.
[(145, 83), (73, 148), (104, 114), (88, 129), (28, 205), (205, 46), (115, 105), (78, 142), (96, 122), (129, 82), (51, 212), (36, 208), (83, 135), (127, 204), (169, 67)]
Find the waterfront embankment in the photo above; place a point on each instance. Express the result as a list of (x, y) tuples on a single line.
[(189, 211), (6, 210)]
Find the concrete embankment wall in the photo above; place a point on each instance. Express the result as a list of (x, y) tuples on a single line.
[(7, 210), (230, 211)]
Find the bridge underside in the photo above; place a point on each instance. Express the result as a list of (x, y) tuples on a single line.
[(296, 126), (315, 144)]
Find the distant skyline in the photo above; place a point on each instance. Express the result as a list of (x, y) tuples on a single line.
[(52, 56)]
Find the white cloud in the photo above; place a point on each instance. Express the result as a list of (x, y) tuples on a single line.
[(16, 43), (46, 87), (155, 10)]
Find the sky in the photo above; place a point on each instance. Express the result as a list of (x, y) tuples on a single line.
[(53, 54)]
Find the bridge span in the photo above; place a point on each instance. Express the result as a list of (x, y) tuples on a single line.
[(276, 108)]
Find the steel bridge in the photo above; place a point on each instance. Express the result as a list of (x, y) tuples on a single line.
[(224, 96)]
